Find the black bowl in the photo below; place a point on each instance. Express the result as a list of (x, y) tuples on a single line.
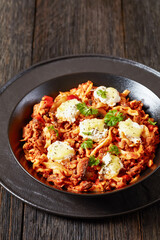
[(22, 112), (48, 78)]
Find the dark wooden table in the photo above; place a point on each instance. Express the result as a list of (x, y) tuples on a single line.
[(36, 30)]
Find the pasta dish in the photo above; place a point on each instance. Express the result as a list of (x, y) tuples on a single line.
[(90, 139)]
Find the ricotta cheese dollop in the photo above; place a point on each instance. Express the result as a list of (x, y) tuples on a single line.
[(108, 95), (59, 151), (131, 130), (68, 111), (112, 165), (93, 129)]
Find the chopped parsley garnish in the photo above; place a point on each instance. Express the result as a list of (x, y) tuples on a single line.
[(93, 161), (114, 150), (86, 111), (152, 123), (87, 144), (87, 133), (52, 128), (113, 117), (101, 93)]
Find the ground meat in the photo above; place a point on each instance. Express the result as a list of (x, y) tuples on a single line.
[(82, 167)]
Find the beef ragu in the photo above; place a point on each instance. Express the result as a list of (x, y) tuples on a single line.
[(90, 139)]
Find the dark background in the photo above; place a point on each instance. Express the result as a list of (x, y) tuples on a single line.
[(36, 30)]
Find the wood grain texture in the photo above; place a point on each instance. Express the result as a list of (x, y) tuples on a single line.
[(150, 222), (11, 216), (48, 226), (77, 27), (142, 32), (16, 31), (16, 28)]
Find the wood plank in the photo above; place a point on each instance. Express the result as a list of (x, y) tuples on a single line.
[(150, 222), (142, 31), (17, 22), (76, 27), (63, 228), (142, 34), (11, 216)]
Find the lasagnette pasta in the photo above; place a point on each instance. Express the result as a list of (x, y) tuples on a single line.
[(90, 139)]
